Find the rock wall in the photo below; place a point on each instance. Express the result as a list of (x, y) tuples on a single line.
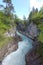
[(10, 47), (33, 58)]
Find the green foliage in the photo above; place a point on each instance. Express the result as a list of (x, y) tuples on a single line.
[(8, 9), (17, 20), (40, 37), (37, 18), (6, 17), (4, 22), (4, 26), (4, 40), (40, 49), (40, 26), (41, 10), (32, 13)]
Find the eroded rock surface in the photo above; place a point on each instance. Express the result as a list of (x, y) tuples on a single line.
[(33, 58), (10, 47)]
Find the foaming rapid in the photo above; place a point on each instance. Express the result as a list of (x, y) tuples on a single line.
[(18, 57)]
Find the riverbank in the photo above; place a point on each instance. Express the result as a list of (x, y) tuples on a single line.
[(23, 47), (33, 57), (9, 47), (26, 34)]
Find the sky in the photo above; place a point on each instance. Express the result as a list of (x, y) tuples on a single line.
[(23, 7), (36, 3)]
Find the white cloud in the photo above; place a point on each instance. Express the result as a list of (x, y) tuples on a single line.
[(36, 3)]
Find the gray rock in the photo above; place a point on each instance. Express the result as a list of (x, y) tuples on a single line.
[(32, 29), (10, 47)]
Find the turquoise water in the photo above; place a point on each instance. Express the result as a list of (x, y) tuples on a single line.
[(18, 57)]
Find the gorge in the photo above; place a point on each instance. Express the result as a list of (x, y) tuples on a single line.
[(18, 57)]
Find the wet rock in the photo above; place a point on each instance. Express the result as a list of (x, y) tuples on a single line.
[(9, 47), (33, 58)]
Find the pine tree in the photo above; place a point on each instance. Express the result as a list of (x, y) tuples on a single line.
[(9, 7)]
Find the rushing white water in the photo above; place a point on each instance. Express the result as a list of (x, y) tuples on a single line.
[(18, 57)]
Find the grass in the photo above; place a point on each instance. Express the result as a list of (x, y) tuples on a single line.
[(40, 38), (4, 41)]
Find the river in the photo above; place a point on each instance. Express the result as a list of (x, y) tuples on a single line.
[(18, 57)]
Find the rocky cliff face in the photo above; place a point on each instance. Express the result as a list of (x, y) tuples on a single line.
[(10, 47), (32, 30), (33, 58)]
